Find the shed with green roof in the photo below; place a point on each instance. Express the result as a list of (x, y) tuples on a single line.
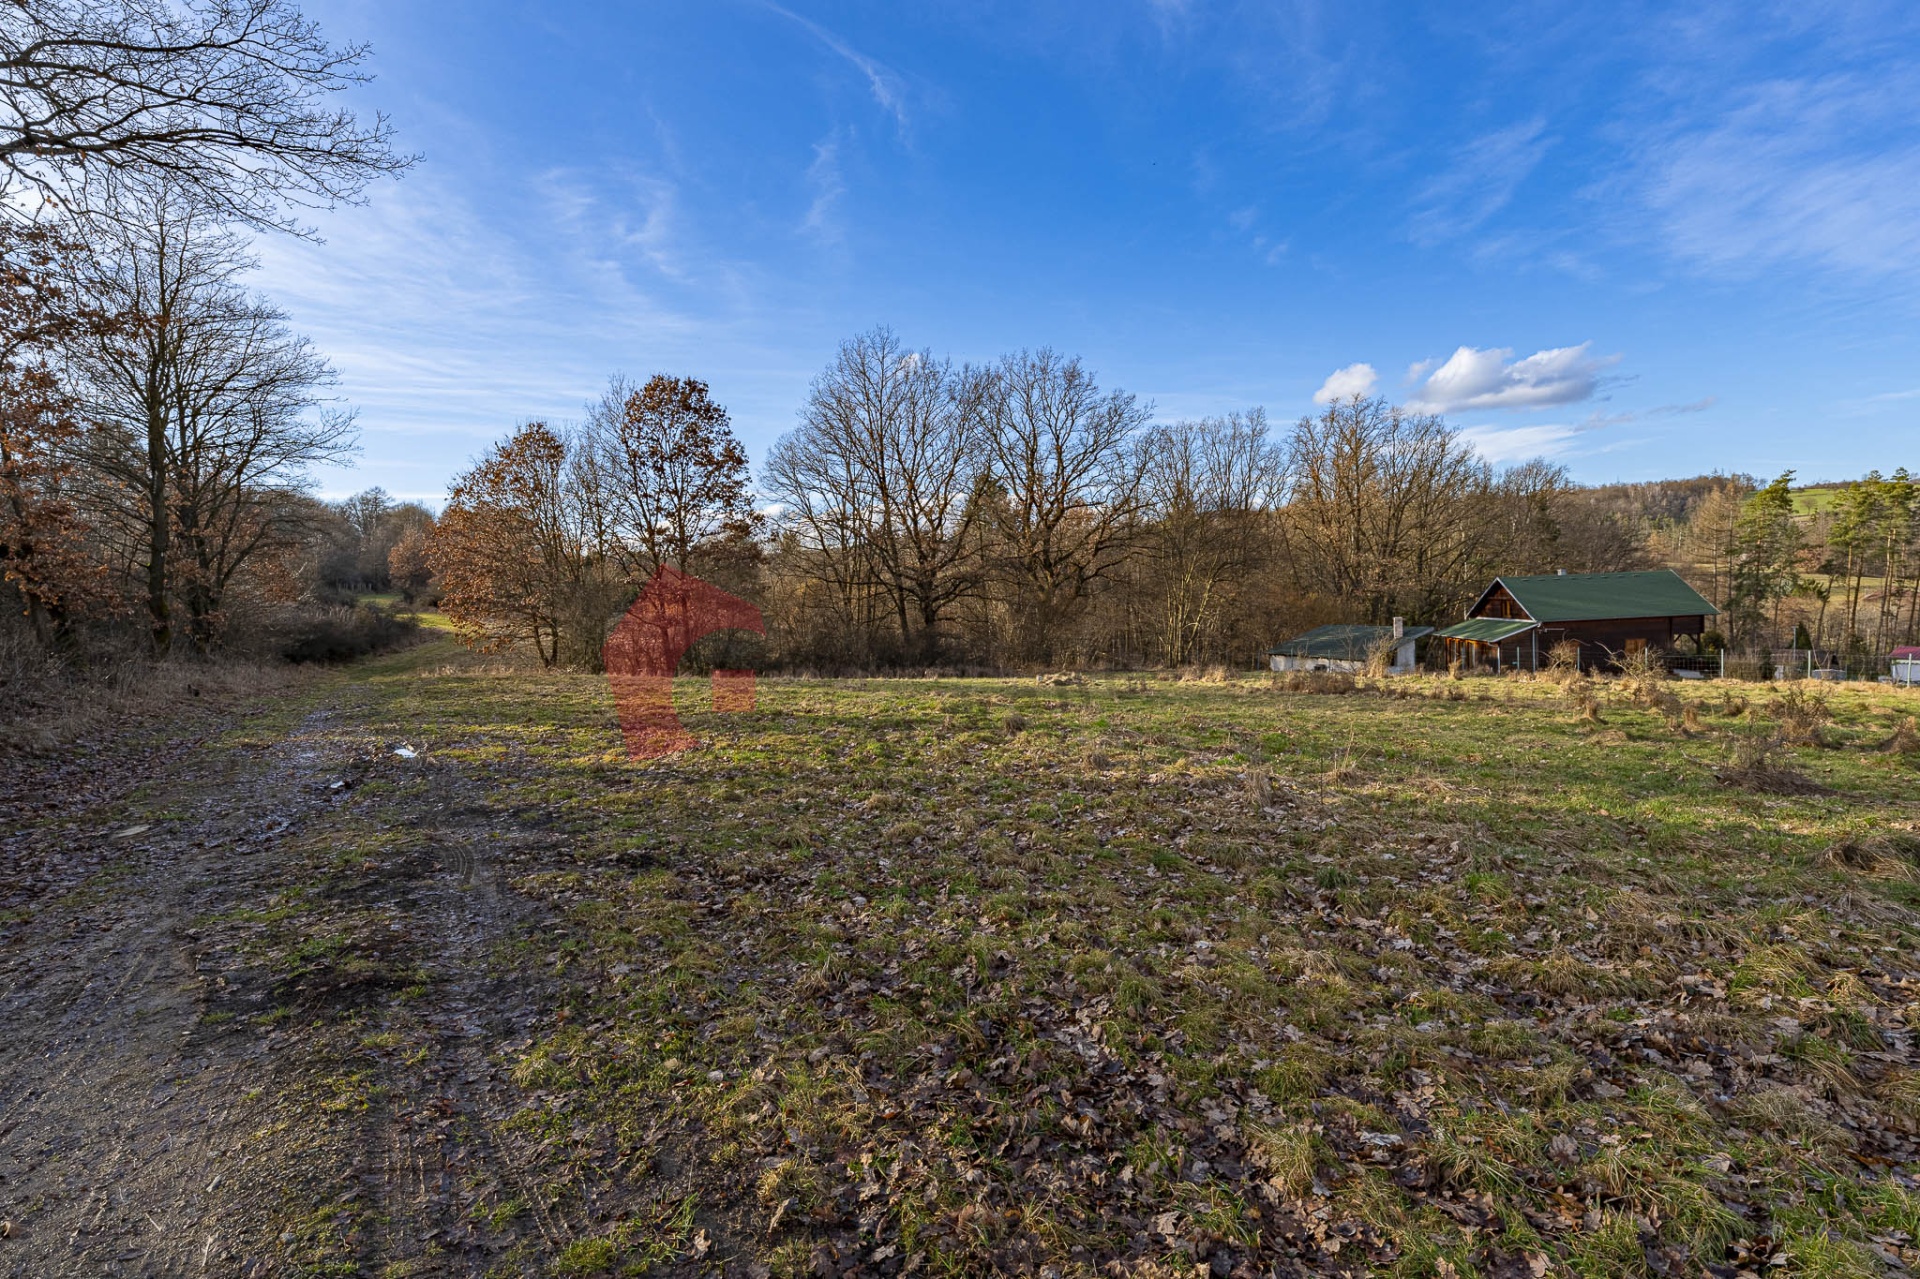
[(1349, 647)]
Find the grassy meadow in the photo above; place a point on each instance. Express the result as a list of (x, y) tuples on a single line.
[(1150, 975)]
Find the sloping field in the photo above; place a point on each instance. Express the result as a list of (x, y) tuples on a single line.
[(980, 976)]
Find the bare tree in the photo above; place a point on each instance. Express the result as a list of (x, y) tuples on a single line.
[(1385, 508), (225, 99), (1068, 480), (882, 477), (1211, 487), (206, 409)]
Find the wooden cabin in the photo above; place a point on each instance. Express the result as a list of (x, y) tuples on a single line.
[(1518, 621)]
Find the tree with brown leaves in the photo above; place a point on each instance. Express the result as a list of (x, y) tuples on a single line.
[(674, 476), (408, 567), (514, 551), (45, 557)]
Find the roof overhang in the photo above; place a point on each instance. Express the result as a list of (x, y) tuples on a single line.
[(1486, 630)]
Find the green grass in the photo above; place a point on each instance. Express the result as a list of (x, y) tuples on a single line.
[(989, 976)]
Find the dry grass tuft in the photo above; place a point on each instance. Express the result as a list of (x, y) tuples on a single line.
[(1800, 715), (1905, 739), (1885, 855), (1289, 1156), (1015, 722), (1260, 786), (1755, 765)]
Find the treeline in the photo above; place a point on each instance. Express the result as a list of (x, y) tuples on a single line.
[(1834, 568), (1015, 514)]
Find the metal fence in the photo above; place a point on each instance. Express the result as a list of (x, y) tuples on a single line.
[(1793, 664)]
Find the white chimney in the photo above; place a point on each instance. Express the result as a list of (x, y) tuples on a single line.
[(1399, 627)]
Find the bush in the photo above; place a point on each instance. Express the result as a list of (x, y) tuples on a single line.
[(1563, 660), (1801, 716), (340, 634), (1317, 682)]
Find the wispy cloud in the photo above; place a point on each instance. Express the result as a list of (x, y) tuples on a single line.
[(1519, 443), (888, 89), (1818, 172), (1492, 379), (448, 322), (823, 177), (1478, 181), (1558, 439), (1341, 384)]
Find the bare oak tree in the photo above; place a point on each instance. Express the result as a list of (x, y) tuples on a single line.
[(225, 99), (1386, 508), (1067, 504), (885, 469)]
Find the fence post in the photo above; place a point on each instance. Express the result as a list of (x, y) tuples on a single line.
[(1723, 663)]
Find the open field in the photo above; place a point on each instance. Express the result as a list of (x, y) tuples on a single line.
[(968, 976)]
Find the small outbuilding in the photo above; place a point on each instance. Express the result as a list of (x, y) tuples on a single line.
[(1518, 621), (1348, 648), (1905, 666)]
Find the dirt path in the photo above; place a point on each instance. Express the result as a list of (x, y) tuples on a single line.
[(171, 1102)]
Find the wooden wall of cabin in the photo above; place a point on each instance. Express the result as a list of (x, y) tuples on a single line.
[(1605, 640)]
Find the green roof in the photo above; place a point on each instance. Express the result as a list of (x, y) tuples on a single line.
[(1485, 630), (1589, 597), (1344, 642)]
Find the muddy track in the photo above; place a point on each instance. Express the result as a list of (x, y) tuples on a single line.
[(138, 1120)]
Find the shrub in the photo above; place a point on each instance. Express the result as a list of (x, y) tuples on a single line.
[(1317, 682), (341, 634), (1800, 715)]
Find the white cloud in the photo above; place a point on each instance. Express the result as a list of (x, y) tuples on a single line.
[(1519, 443), (1492, 379), (1341, 384)]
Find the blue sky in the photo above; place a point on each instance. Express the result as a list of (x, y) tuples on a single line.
[(1640, 241)]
